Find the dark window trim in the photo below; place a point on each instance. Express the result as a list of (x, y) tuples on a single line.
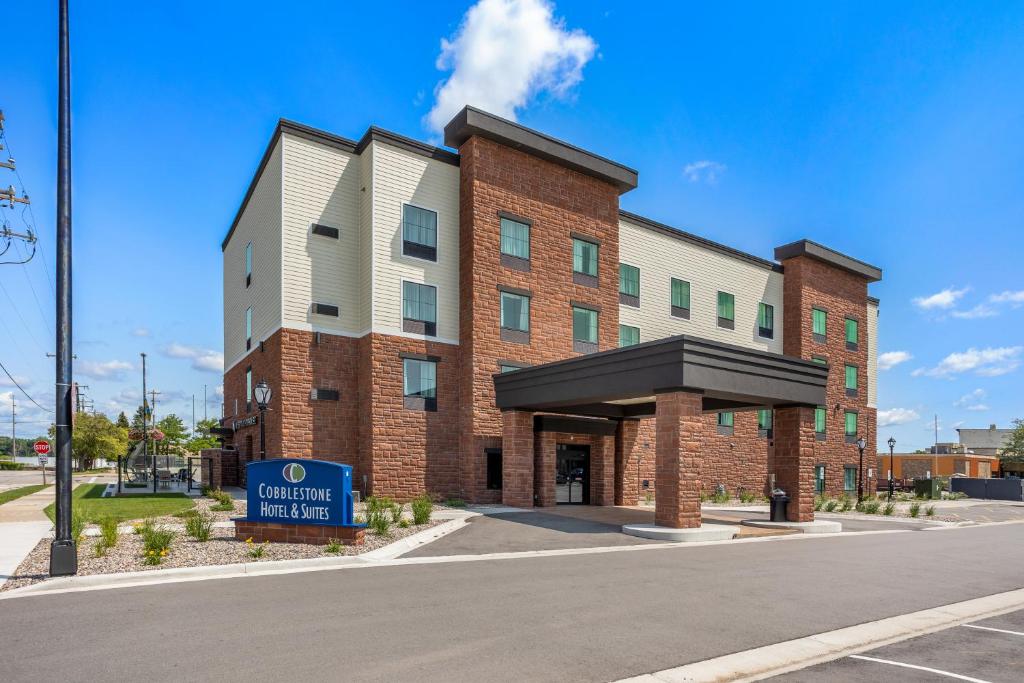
[(424, 327), (515, 336), (420, 251), (590, 307), (629, 300), (680, 312), (326, 309), (515, 262), (514, 217), (419, 356), (248, 343), (325, 395), (585, 238), (855, 475), (852, 346), (325, 231), (819, 338), (248, 279), (583, 346), (428, 405), (726, 323), (584, 279), (515, 290), (493, 483)]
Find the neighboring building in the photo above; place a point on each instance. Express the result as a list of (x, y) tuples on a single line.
[(989, 441), (946, 448), (380, 286), (924, 465)]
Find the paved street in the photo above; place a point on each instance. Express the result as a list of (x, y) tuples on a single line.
[(582, 617), (13, 479)]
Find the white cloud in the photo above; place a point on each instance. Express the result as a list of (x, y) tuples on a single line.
[(987, 362), (896, 416), (111, 369), (944, 299), (972, 401), (1013, 298), (979, 311), (891, 359), (504, 54), (141, 332), (20, 379), (705, 170), (205, 360)]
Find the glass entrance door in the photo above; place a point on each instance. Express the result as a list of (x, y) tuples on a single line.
[(572, 474)]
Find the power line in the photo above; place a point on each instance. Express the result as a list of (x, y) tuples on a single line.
[(27, 395)]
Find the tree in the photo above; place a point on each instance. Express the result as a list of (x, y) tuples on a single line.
[(203, 437), (122, 421), (139, 419), (175, 433), (95, 436), (1013, 451)]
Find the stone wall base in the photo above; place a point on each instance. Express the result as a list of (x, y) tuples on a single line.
[(273, 532)]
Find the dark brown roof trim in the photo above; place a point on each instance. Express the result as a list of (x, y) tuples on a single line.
[(419, 356), (375, 134), (831, 256), (873, 300), (698, 241), (575, 425), (472, 121)]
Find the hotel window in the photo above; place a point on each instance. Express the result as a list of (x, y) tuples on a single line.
[(420, 384), (515, 317), (819, 422), (248, 328), (584, 330), (851, 380), (584, 262), (680, 298), (515, 244), (851, 334), (419, 232), (248, 264), (850, 478), (819, 479), (629, 285), (419, 308), (819, 360), (628, 335), (764, 422), (850, 421), (726, 310), (248, 389), (766, 320), (819, 323), (725, 423), (503, 368)]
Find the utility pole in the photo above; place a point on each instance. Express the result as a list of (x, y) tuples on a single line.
[(14, 436), (204, 404), (63, 554), (193, 414)]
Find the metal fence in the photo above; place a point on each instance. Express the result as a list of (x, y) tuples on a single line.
[(989, 489)]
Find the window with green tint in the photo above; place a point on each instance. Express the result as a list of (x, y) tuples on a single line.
[(819, 360), (765, 320), (420, 378), (584, 325), (851, 423), (419, 225), (726, 306), (629, 280), (508, 368), (628, 335), (584, 257), (515, 238), (515, 312), (819, 321), (851, 331), (726, 419), (850, 478), (764, 419), (819, 420), (851, 376), (419, 302), (248, 262), (680, 293)]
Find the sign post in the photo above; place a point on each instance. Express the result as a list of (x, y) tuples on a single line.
[(42, 449)]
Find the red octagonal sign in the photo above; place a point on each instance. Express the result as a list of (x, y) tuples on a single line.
[(41, 447)]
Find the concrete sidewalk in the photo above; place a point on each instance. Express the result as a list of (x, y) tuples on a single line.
[(28, 508)]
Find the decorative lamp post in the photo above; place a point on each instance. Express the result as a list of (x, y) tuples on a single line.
[(892, 445), (263, 393), (860, 470)]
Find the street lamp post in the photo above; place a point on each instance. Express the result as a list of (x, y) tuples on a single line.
[(892, 445), (263, 393), (860, 470)]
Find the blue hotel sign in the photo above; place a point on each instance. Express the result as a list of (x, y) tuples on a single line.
[(299, 491)]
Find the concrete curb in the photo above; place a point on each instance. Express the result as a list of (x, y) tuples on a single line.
[(792, 655), (818, 526)]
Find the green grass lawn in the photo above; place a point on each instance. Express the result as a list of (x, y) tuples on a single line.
[(87, 501), (13, 494)]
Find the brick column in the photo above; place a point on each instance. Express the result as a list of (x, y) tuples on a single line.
[(517, 458), (602, 470), (545, 445), (677, 459), (794, 460), (626, 485)]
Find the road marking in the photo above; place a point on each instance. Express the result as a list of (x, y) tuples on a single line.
[(930, 670), (997, 630), (793, 655)]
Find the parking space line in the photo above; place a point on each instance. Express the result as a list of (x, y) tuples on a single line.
[(930, 670), (997, 630)]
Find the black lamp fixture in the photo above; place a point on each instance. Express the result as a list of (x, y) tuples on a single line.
[(263, 393), (860, 470), (892, 446)]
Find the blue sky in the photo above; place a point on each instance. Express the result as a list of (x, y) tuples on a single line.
[(892, 132)]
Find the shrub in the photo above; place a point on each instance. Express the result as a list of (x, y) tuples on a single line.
[(846, 503), (422, 507), (77, 527), (152, 557), (747, 496), (915, 509), (396, 512), (108, 532), (143, 527), (930, 511), (649, 497), (869, 507), (225, 503), (889, 509), (157, 538), (455, 503), (403, 523), (831, 504), (7, 465), (199, 526), (819, 502), (333, 546), (256, 550)]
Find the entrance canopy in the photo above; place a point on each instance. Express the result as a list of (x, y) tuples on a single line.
[(622, 383)]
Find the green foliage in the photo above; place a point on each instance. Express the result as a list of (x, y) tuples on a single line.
[(14, 494), (748, 497), (333, 546), (108, 532), (455, 503), (649, 497), (122, 421), (199, 526), (78, 522), (831, 504), (379, 515), (13, 466), (396, 512), (157, 538), (403, 523), (422, 508), (930, 511), (846, 503), (225, 503), (819, 502), (203, 437), (89, 501), (142, 528), (175, 435), (869, 507), (24, 446), (1013, 448), (95, 436), (889, 509), (720, 496), (915, 509), (256, 550)]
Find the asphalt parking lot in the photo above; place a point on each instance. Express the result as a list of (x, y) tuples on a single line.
[(987, 651)]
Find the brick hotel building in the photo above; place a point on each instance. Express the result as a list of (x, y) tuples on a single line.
[(487, 323)]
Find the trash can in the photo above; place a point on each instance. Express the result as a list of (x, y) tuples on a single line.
[(779, 503)]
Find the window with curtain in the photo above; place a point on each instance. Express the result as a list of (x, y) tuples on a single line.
[(248, 328), (680, 294), (629, 280), (819, 420), (766, 320), (851, 377), (628, 335), (515, 312), (584, 325), (584, 257), (248, 389), (851, 423), (515, 238), (419, 232), (819, 321), (726, 310), (248, 263), (851, 333), (726, 419), (419, 302), (850, 478), (420, 378), (764, 419)]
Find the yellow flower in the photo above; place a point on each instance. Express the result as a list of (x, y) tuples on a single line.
[(163, 553), (151, 552), (249, 540)]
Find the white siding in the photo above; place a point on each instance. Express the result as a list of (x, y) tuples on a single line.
[(872, 355), (661, 258), (260, 223), (366, 240), (401, 177), (321, 185)]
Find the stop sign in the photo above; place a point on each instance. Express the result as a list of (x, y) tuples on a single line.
[(41, 447)]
